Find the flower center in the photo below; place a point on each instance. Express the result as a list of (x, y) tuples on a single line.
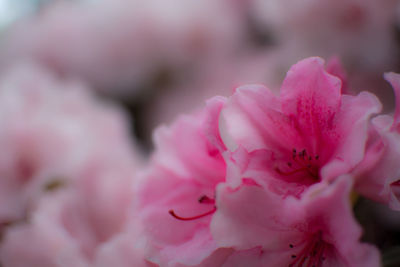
[(312, 255), (202, 200), (301, 164)]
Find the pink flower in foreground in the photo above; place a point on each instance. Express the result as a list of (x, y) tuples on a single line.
[(379, 173), (310, 133), (317, 230), (176, 197)]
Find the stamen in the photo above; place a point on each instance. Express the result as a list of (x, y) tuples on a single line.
[(312, 254), (206, 200), (194, 217), (396, 183), (301, 162)]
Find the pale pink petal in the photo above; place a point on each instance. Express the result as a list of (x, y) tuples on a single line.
[(334, 67), (175, 146), (378, 174), (331, 209), (351, 133), (127, 249), (177, 190), (164, 191), (257, 209), (252, 118), (321, 221), (311, 97)]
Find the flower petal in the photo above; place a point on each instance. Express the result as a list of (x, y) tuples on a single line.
[(311, 97)]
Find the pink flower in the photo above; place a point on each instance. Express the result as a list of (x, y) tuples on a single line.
[(51, 131), (317, 230), (176, 197), (310, 133), (341, 27), (70, 225), (378, 175)]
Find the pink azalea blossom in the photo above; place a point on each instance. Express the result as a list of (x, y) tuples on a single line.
[(176, 197), (317, 230), (310, 133), (379, 174), (360, 32), (221, 76)]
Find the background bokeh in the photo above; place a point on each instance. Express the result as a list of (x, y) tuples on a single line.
[(157, 59)]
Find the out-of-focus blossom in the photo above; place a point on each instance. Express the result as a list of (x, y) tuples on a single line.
[(379, 173), (70, 225), (311, 133), (126, 249), (50, 130), (68, 169), (122, 44), (360, 31), (318, 230)]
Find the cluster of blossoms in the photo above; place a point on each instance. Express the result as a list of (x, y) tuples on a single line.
[(263, 180), (255, 179), (264, 177)]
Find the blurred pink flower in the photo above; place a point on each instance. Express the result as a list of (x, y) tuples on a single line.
[(317, 230), (126, 249), (51, 129), (360, 31), (311, 133), (70, 225), (120, 45), (67, 167), (379, 173)]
